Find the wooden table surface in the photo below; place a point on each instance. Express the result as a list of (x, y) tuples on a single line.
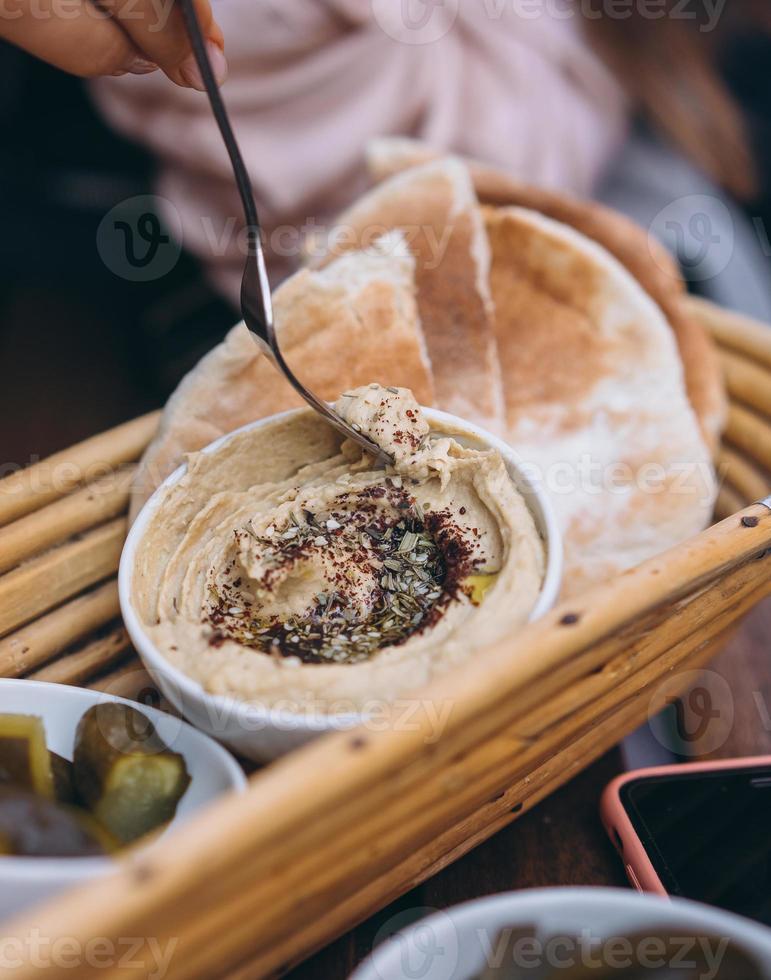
[(561, 841)]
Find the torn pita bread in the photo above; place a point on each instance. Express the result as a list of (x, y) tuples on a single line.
[(352, 323), (647, 260), (595, 397), (436, 209)]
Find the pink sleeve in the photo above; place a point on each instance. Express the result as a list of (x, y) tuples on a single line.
[(311, 81)]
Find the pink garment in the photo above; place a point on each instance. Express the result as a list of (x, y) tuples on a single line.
[(311, 81)]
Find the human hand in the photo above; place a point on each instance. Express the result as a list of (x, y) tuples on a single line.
[(113, 37)]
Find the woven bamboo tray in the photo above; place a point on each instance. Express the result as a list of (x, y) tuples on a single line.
[(336, 830)]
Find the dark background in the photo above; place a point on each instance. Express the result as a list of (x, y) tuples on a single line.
[(81, 348)]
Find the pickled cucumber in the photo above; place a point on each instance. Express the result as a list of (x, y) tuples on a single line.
[(33, 826), (64, 779), (125, 773), (24, 757)]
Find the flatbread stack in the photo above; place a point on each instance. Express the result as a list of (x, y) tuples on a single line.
[(544, 319)]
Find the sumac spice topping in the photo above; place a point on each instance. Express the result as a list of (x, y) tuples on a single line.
[(387, 576)]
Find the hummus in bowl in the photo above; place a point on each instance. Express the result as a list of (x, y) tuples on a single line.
[(280, 573)]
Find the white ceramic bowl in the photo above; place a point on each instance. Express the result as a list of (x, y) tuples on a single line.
[(255, 731), (213, 772), (455, 944)]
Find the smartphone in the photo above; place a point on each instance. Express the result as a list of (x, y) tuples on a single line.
[(698, 830)]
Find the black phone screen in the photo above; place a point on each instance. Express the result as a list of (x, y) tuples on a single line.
[(708, 835)]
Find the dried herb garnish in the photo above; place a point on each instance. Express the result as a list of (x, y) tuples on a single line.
[(410, 585), (417, 565)]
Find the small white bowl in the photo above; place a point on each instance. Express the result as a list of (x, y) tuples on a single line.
[(456, 944), (213, 772), (257, 732)]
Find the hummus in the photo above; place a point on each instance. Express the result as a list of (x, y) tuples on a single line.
[(285, 569)]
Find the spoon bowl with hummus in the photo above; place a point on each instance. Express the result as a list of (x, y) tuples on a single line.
[(281, 584)]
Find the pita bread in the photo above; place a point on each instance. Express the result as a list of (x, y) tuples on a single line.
[(647, 260), (436, 209), (595, 397), (352, 323)]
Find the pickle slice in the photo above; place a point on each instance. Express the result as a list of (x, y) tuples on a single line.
[(125, 773), (63, 773), (24, 758), (32, 826)]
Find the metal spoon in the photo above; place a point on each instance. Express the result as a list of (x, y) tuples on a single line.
[(256, 305)]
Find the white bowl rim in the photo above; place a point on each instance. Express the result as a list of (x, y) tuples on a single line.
[(537, 501), (33, 869), (534, 902)]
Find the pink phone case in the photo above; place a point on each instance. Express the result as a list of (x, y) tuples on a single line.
[(639, 868)]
